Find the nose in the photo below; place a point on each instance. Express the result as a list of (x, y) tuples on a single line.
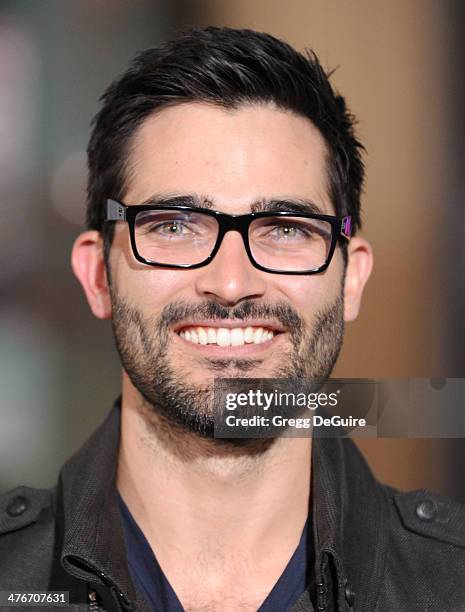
[(230, 277)]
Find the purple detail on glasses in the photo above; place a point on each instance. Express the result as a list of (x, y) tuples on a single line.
[(347, 226)]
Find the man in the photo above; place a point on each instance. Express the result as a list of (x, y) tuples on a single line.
[(198, 150)]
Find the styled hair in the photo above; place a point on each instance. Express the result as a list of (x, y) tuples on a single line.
[(229, 68)]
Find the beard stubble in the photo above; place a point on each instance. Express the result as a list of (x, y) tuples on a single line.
[(143, 346)]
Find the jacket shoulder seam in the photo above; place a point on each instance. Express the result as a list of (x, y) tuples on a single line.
[(22, 506), (432, 516)]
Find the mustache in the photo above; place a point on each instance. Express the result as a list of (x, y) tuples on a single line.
[(280, 311)]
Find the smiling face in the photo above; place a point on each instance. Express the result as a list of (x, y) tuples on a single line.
[(176, 330)]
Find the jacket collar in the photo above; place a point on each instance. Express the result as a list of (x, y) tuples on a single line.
[(349, 510), (93, 539), (348, 505)]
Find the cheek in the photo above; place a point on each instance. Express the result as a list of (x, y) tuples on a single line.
[(143, 286), (148, 289), (309, 294), (153, 288)]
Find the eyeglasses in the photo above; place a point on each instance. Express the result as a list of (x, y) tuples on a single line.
[(190, 237)]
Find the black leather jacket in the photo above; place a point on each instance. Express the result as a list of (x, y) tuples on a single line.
[(375, 549)]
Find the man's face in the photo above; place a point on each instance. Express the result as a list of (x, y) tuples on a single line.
[(232, 159)]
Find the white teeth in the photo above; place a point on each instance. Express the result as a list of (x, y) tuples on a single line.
[(203, 339), (223, 337), (238, 336), (248, 335)]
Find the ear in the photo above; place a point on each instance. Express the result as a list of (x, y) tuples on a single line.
[(359, 265), (89, 267)]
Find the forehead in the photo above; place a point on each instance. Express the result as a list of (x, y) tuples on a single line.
[(232, 157)]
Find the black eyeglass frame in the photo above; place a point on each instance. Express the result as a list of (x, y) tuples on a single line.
[(117, 211)]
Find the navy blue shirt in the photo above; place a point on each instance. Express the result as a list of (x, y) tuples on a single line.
[(151, 582)]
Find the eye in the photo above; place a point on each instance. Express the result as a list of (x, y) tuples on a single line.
[(289, 231), (173, 228), (165, 224), (286, 230)]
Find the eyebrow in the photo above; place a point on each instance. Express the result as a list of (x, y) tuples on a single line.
[(299, 205), (178, 200)]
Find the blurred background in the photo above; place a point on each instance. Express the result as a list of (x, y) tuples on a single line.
[(400, 65)]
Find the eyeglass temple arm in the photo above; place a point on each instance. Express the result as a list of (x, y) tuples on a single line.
[(346, 227), (115, 211)]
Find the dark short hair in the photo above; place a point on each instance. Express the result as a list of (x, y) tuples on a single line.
[(229, 68)]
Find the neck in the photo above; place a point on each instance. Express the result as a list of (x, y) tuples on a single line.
[(199, 496)]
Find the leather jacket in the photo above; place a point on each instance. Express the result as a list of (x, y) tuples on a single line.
[(375, 549)]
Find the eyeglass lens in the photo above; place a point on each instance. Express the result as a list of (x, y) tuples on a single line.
[(276, 242)]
